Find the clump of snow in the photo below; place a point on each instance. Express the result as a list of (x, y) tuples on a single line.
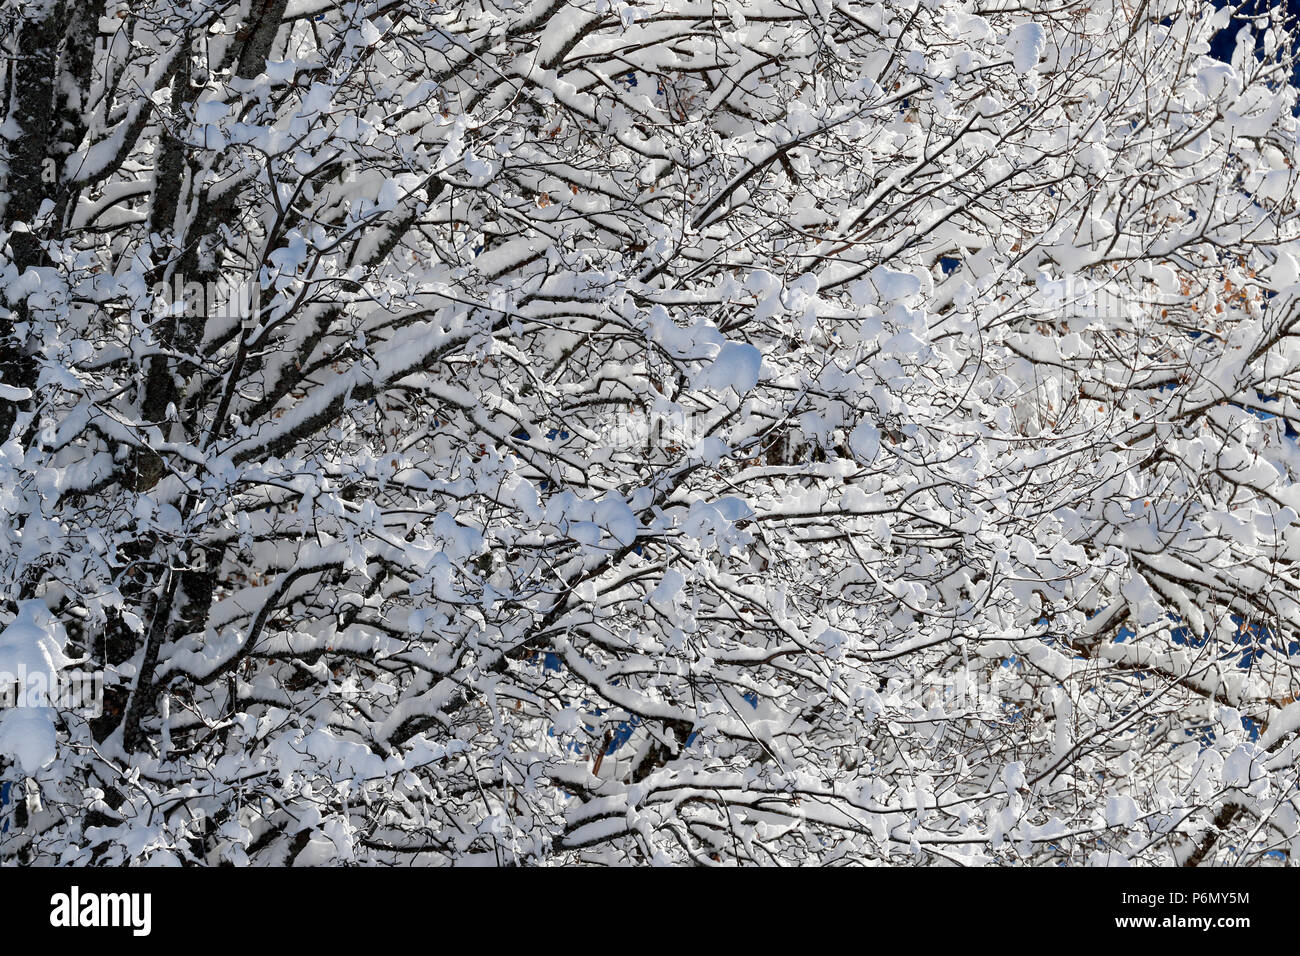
[(668, 587), (864, 442), (736, 366), (31, 653), (1121, 811), (831, 641), (27, 735), (1026, 44)]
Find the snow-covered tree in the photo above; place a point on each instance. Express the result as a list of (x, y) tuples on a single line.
[(660, 431)]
